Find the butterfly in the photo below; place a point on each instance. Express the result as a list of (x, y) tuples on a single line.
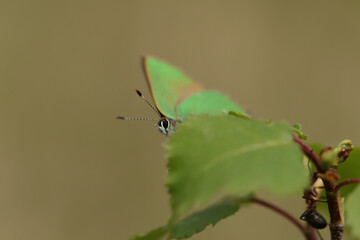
[(177, 97)]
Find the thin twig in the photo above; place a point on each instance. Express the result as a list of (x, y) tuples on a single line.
[(345, 182), (285, 214), (309, 153)]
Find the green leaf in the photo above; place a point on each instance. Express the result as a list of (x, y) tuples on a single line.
[(228, 155), (198, 221), (156, 234), (297, 129), (352, 207), (350, 169)]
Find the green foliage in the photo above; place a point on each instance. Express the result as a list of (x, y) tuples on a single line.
[(297, 129), (329, 159), (332, 157), (352, 207), (197, 221), (351, 192), (156, 234), (350, 169), (228, 155), (215, 157), (343, 150)]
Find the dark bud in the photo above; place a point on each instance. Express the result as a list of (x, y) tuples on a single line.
[(315, 219)]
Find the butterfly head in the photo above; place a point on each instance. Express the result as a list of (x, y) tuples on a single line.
[(166, 125)]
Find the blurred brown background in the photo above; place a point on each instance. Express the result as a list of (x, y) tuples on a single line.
[(69, 170)]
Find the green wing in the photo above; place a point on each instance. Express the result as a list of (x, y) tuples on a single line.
[(177, 96), (168, 85), (210, 102)]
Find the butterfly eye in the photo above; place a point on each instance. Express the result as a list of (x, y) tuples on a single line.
[(164, 123)]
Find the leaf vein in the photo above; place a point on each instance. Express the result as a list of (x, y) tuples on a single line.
[(245, 149)]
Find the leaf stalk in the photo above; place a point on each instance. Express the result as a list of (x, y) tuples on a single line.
[(346, 182), (309, 152), (307, 233)]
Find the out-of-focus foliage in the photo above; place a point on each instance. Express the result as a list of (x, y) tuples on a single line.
[(352, 208)]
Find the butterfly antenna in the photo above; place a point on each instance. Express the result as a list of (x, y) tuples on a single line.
[(152, 106), (131, 118)]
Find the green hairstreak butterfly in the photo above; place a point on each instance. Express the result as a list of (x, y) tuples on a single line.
[(176, 96)]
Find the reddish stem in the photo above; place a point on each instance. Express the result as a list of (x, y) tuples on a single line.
[(310, 154), (346, 182), (311, 233), (285, 214), (333, 198)]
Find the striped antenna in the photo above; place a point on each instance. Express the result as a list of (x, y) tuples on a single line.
[(131, 118), (152, 106)]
